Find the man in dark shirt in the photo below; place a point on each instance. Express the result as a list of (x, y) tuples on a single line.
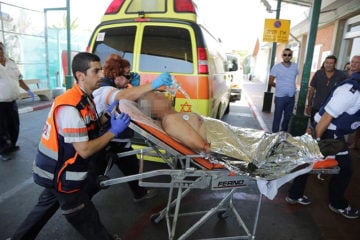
[(321, 84)]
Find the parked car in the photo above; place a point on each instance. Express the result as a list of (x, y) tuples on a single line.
[(236, 74)]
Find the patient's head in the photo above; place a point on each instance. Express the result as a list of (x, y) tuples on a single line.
[(159, 104)]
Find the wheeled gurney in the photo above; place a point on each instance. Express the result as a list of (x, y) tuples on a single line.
[(189, 170)]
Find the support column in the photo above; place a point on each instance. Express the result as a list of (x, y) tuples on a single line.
[(68, 77), (268, 95), (299, 122)]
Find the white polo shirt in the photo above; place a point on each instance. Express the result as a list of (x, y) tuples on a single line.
[(9, 81), (104, 96)]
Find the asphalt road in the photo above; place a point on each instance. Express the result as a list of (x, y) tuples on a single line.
[(18, 194)]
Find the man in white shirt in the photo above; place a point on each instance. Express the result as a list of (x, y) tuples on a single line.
[(10, 80)]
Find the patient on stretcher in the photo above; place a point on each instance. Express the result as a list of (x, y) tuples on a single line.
[(268, 155), (185, 127)]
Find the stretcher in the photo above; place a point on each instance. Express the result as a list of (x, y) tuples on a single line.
[(188, 170)]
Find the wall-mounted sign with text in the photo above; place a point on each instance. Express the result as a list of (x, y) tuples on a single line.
[(276, 30)]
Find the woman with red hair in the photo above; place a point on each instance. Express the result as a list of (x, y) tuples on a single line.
[(117, 73)]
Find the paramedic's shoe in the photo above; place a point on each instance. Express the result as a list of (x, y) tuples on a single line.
[(150, 193), (5, 157), (347, 212), (116, 237), (304, 200), (12, 149)]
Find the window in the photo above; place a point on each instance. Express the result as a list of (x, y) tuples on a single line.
[(116, 40), (166, 49)]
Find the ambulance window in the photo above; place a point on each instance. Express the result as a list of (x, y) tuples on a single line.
[(166, 49), (115, 40), (148, 6), (218, 59)]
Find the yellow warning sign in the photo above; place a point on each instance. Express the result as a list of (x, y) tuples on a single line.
[(276, 30)]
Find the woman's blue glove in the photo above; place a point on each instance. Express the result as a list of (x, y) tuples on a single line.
[(31, 94), (135, 79), (119, 123), (163, 80)]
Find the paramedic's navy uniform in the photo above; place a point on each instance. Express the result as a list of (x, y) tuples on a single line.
[(68, 180), (130, 164), (343, 104)]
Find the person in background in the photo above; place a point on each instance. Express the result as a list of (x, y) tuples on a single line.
[(283, 78), (10, 80), (117, 74), (338, 116), (347, 70), (354, 140), (321, 84)]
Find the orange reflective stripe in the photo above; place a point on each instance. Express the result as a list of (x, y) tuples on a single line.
[(75, 130), (67, 163), (49, 137), (107, 99)]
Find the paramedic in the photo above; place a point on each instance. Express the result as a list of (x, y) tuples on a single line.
[(338, 116), (117, 74), (65, 164), (76, 166)]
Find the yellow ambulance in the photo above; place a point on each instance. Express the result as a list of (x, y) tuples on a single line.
[(163, 35)]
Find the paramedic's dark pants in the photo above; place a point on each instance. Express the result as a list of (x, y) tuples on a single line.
[(9, 123), (338, 182), (129, 166), (86, 220)]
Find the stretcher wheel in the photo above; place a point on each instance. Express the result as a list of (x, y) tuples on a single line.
[(154, 218), (100, 179), (222, 214)]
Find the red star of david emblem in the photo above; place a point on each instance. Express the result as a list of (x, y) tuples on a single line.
[(185, 107)]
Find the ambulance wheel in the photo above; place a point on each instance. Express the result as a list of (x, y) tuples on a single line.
[(100, 179), (222, 214), (154, 218)]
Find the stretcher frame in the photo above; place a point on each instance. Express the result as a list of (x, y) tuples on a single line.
[(188, 171), (195, 172)]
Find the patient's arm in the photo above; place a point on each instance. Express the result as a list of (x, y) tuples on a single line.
[(187, 128)]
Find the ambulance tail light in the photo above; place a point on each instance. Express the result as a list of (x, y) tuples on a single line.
[(184, 6), (114, 6), (202, 61)]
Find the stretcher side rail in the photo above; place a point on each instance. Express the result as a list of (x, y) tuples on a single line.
[(215, 179), (332, 170)]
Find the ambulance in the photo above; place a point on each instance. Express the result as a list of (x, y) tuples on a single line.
[(158, 36)]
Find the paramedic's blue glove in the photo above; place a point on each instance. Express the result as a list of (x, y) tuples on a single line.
[(163, 80), (31, 94), (112, 106), (119, 123), (135, 79)]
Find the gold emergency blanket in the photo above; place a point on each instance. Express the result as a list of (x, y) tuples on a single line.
[(254, 152), (261, 154)]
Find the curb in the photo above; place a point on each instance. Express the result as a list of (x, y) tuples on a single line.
[(34, 108), (256, 113)]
